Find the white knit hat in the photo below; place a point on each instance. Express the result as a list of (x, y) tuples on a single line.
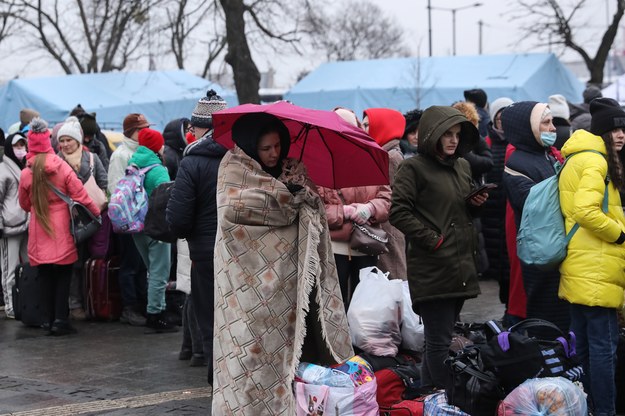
[(559, 107), (71, 128), (498, 105)]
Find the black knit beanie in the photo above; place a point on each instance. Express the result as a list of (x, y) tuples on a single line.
[(477, 96), (606, 115)]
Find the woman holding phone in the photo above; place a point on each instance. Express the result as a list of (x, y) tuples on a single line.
[(429, 206)]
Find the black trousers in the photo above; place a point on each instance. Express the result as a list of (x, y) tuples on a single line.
[(55, 280), (202, 292)]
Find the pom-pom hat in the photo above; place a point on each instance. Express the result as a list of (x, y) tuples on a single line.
[(202, 115)]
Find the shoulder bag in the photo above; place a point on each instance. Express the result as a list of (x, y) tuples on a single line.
[(96, 193), (83, 224)]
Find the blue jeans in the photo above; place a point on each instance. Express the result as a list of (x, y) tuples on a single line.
[(596, 330), (157, 258)]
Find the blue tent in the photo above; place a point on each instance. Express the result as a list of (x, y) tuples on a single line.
[(160, 95), (407, 83)]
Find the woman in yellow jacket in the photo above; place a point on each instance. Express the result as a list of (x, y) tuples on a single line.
[(593, 273)]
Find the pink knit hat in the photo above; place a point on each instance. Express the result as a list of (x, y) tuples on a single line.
[(39, 137)]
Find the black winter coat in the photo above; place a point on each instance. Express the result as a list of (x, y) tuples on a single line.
[(536, 164), (494, 215), (175, 143), (192, 208)]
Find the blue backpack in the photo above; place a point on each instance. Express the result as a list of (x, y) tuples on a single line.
[(129, 202), (542, 239)]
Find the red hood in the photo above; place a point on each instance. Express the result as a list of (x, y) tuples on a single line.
[(385, 124)]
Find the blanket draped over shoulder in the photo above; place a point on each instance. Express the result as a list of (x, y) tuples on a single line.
[(273, 266)]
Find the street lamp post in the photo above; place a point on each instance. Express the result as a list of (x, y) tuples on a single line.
[(453, 11)]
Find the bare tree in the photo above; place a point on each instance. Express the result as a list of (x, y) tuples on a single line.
[(553, 23), (6, 11), (187, 16), (88, 35), (357, 30), (257, 21)]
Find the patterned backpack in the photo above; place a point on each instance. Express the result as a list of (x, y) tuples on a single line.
[(129, 202)]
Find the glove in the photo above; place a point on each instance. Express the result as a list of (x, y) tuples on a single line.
[(349, 211), (363, 213)]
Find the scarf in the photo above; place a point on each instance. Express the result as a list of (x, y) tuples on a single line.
[(273, 267), (74, 159)]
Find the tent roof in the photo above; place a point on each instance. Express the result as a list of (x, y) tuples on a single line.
[(160, 95), (405, 83)]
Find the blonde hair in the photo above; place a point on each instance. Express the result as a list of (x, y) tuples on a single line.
[(468, 110), (40, 189)]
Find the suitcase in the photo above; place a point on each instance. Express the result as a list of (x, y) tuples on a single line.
[(102, 294), (30, 307), (404, 408)]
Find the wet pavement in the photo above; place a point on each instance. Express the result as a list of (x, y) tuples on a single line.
[(110, 368)]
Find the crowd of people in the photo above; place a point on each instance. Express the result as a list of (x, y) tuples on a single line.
[(272, 271)]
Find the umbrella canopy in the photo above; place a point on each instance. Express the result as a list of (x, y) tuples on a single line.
[(336, 154)]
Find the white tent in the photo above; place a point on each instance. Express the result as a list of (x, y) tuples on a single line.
[(160, 95), (407, 83)]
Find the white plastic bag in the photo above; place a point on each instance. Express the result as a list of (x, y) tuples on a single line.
[(412, 336), (374, 314), (550, 396)]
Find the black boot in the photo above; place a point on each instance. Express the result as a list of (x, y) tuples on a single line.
[(62, 327), (156, 324)]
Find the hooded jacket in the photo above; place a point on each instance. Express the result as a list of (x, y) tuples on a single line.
[(593, 272), (532, 163), (192, 207), (387, 126), (428, 205), (530, 158), (175, 142)]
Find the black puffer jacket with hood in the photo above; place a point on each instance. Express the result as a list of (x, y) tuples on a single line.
[(534, 163), (428, 205), (175, 143)]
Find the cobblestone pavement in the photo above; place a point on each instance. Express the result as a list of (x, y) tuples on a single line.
[(110, 368)]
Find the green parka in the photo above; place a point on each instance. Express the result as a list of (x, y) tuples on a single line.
[(428, 205)]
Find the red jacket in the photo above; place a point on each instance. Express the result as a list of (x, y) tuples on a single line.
[(58, 248)]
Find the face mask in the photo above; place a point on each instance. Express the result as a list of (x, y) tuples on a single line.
[(20, 153), (548, 138)]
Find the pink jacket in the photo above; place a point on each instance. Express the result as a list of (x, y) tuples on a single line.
[(379, 196), (58, 248)]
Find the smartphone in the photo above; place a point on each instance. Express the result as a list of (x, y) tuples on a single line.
[(480, 190)]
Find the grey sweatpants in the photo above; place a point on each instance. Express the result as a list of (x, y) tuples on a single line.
[(13, 251)]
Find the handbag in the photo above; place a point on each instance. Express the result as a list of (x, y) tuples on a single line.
[(365, 238), (368, 240), (96, 193), (83, 224)]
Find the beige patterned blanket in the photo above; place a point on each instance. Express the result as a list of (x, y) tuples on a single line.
[(273, 266)]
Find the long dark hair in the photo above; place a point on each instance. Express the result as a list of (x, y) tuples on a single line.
[(615, 165)]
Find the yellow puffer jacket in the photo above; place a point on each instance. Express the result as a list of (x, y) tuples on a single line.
[(593, 273)]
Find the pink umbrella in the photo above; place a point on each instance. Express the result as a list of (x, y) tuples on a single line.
[(337, 154)]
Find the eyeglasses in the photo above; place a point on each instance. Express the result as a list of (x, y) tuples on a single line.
[(190, 129)]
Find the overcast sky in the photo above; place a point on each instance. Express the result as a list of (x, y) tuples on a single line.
[(500, 35)]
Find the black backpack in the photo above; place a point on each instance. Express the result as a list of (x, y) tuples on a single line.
[(515, 357), (156, 225)]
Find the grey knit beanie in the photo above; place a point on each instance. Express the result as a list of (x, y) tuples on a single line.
[(202, 115)]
